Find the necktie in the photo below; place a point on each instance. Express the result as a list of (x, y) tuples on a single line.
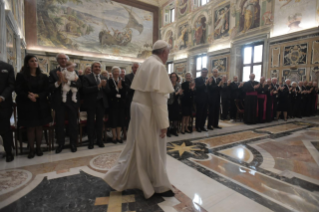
[(97, 79)]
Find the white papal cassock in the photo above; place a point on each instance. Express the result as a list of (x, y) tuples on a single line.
[(142, 164)]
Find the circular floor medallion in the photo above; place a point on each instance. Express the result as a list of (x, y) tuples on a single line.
[(105, 161), (13, 179)]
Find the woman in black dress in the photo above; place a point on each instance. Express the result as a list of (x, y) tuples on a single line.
[(293, 99), (117, 104), (174, 105), (270, 89), (32, 102), (284, 100), (262, 100), (187, 101)]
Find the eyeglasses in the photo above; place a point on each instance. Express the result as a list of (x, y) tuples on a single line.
[(62, 59)]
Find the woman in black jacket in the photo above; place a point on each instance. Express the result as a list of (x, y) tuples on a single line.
[(32, 102), (187, 101), (117, 98), (284, 100)]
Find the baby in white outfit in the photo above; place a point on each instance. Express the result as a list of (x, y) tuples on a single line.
[(70, 75)]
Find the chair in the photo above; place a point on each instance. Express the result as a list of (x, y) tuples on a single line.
[(48, 127), (240, 111)]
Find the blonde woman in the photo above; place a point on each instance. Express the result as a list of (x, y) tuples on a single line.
[(187, 101)]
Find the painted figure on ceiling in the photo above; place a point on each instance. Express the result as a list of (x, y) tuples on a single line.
[(200, 31), (250, 15), (183, 37), (221, 23), (170, 38)]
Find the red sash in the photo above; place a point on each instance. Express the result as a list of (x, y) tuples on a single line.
[(263, 96)]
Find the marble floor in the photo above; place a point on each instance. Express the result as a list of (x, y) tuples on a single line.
[(264, 167)]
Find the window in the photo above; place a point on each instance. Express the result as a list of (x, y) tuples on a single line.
[(170, 68), (203, 2), (169, 15), (201, 62), (252, 61), (200, 3), (172, 15)]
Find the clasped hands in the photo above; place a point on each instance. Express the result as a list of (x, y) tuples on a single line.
[(33, 97)]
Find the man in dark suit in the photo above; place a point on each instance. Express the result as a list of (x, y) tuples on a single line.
[(128, 81), (275, 97), (201, 96), (251, 100), (214, 89), (95, 91), (70, 108), (6, 89), (233, 96)]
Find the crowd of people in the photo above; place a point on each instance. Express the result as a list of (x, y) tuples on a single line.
[(209, 99), (108, 96), (42, 100)]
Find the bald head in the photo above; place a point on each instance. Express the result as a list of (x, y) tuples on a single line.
[(300, 83), (252, 77), (215, 73), (274, 81), (287, 81), (235, 79), (135, 67)]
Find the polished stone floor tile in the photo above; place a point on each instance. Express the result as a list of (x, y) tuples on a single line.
[(281, 128), (230, 138), (294, 156), (237, 168), (287, 195), (239, 152), (316, 144)]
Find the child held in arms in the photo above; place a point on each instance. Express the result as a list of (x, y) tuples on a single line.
[(70, 75)]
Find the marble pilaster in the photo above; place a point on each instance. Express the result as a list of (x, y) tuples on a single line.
[(3, 31)]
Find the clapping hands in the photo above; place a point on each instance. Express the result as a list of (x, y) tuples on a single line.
[(32, 97)]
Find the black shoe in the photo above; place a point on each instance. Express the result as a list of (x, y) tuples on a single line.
[(210, 128), (168, 134), (39, 152), (183, 132), (169, 193), (218, 127), (31, 154), (120, 141), (73, 148), (59, 149), (100, 144), (174, 133), (91, 146), (9, 157), (199, 130), (203, 129), (114, 141)]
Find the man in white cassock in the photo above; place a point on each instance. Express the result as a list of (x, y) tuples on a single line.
[(142, 164)]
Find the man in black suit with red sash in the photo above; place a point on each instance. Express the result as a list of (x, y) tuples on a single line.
[(250, 110)]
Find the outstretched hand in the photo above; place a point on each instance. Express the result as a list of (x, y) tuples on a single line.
[(163, 133)]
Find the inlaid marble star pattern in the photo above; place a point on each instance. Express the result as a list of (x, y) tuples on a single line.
[(183, 148)]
